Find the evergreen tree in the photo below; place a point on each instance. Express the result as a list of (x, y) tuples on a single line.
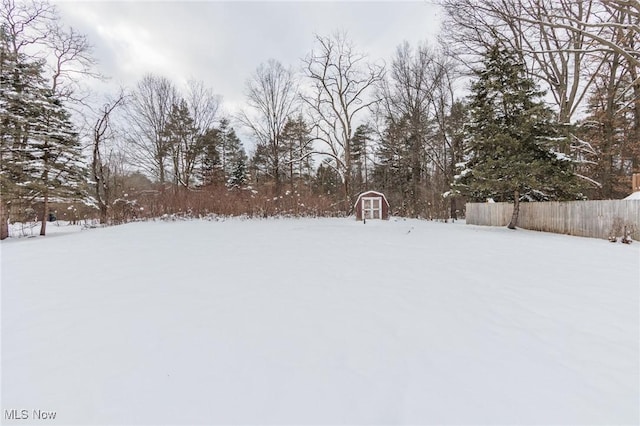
[(184, 144), (223, 147), (259, 165), (509, 135), (233, 159), (210, 168), (61, 171), (19, 85), (296, 151), (455, 135), (235, 154), (41, 158), (238, 177), (327, 179), (360, 144), (393, 172)]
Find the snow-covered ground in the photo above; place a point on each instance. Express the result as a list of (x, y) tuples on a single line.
[(32, 229), (319, 321)]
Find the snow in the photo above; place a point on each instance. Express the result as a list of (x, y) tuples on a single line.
[(462, 174), (324, 321), (380, 194), (561, 156), (59, 227), (634, 196)]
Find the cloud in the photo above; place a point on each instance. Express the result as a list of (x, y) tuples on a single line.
[(133, 47), (222, 43)]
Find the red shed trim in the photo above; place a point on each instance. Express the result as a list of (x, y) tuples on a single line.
[(372, 205)]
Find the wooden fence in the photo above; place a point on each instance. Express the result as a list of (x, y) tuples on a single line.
[(598, 219)]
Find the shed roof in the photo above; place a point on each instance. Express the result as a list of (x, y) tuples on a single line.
[(380, 194)]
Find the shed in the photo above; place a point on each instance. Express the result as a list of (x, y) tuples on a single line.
[(372, 205)]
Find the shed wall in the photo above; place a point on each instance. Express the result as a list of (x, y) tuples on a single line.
[(385, 204)]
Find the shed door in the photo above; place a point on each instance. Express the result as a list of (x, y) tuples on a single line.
[(372, 207)]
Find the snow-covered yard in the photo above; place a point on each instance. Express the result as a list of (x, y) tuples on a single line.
[(323, 321)]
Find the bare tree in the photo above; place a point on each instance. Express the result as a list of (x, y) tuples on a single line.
[(556, 38), (27, 23), (611, 43), (611, 127), (149, 110), (626, 14), (271, 95), (35, 29), (100, 168), (445, 144), (204, 105), (342, 80), (71, 59), (407, 99)]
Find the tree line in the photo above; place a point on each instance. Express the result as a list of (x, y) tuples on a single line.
[(517, 101)]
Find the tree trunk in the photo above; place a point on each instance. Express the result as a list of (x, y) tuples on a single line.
[(292, 186), (277, 178), (516, 210), (636, 118), (453, 212), (348, 187), (4, 223), (45, 214), (103, 214), (347, 193)]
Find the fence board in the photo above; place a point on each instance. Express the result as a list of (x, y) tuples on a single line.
[(598, 219)]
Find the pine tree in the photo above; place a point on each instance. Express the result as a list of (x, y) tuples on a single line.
[(210, 168), (41, 158), (18, 86), (360, 144), (393, 171), (238, 177), (223, 148), (58, 158), (328, 180), (509, 136), (185, 144), (297, 148), (455, 134), (233, 159), (259, 165)]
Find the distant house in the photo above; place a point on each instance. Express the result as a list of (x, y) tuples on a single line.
[(372, 205)]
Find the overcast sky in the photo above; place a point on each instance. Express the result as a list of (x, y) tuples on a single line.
[(222, 43)]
